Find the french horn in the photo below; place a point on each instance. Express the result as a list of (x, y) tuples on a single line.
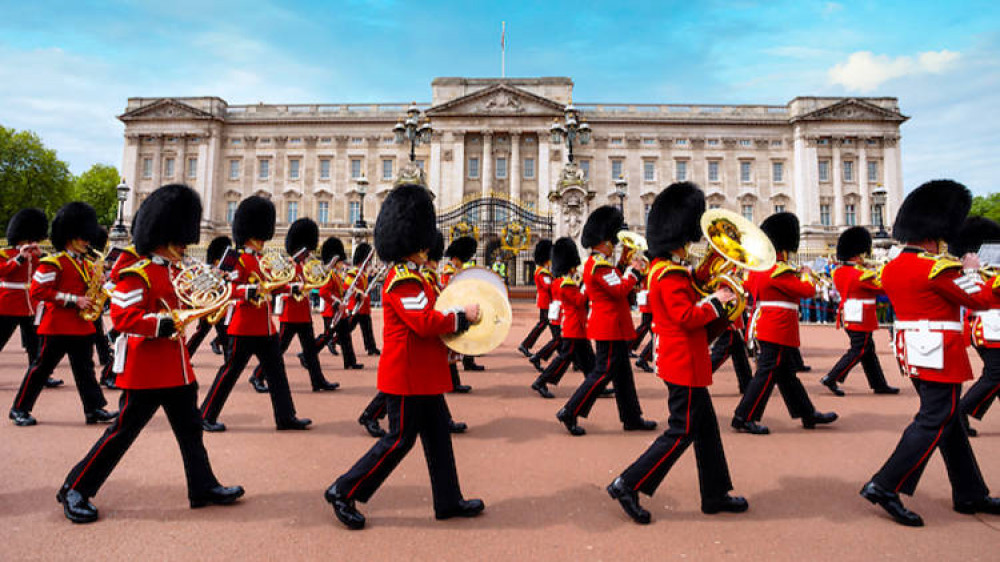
[(203, 289), (277, 270), (314, 275)]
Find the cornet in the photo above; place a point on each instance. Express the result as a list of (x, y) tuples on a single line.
[(634, 245)]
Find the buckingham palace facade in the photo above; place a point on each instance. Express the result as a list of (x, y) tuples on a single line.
[(835, 162)]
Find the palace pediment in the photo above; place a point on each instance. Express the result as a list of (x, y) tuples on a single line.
[(166, 108), (500, 100), (852, 109)]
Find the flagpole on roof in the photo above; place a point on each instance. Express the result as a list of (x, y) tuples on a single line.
[(503, 49)]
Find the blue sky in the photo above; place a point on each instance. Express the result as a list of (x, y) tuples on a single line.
[(67, 68)]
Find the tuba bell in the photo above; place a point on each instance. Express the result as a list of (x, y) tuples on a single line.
[(634, 244), (734, 245)]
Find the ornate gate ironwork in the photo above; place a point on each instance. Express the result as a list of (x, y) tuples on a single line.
[(497, 221)]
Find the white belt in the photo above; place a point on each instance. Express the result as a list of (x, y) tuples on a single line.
[(862, 301), (6, 285), (779, 304), (985, 313), (927, 325)]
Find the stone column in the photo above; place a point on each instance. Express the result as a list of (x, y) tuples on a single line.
[(209, 153), (457, 191), (157, 179), (131, 171), (838, 185), (806, 183), (865, 216), (545, 181), (486, 171), (434, 172), (515, 166), (893, 175)]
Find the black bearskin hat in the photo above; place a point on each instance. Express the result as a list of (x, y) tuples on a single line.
[(565, 256), (933, 211), (974, 233), (463, 248), (100, 241), (543, 251), (406, 223), (333, 248), (303, 233), (254, 219), (602, 226), (854, 241), (675, 218), (27, 225), (437, 248), (74, 220), (783, 230), (216, 248), (361, 252), (170, 215)]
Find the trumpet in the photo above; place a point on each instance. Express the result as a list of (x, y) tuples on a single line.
[(95, 287), (734, 245), (203, 289), (634, 244), (276, 271), (314, 275)]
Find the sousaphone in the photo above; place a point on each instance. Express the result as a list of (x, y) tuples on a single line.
[(485, 288)]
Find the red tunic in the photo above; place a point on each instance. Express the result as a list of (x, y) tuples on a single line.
[(573, 303), (923, 286), (778, 291), (855, 283), (15, 282), (359, 289), (57, 279), (680, 320), (610, 317), (447, 272), (249, 318), (543, 285), (414, 360), (293, 310), (127, 258), (329, 295), (142, 295)]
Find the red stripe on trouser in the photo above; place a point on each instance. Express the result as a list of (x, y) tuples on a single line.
[(109, 437), (566, 359), (687, 431), (38, 363), (767, 384), (986, 400), (218, 380), (598, 383), (402, 400), (934, 443), (843, 374)]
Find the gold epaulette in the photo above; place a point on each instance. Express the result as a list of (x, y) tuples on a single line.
[(138, 268), (543, 270), (402, 273), (867, 274), (664, 267), (568, 281), (53, 260), (8, 253), (132, 250), (598, 262), (781, 268), (941, 264), (996, 283)]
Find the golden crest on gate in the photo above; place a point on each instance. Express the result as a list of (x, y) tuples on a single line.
[(515, 237), (463, 229)]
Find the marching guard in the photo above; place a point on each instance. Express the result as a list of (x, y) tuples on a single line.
[(65, 286), (250, 329), (459, 253), (776, 329), (333, 308), (681, 321), (360, 304), (155, 367), (928, 289), (27, 228), (543, 299), (610, 324), (413, 369), (858, 288)]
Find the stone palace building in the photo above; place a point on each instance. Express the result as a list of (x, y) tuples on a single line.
[(835, 162)]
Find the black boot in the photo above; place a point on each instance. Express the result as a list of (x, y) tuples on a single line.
[(76, 507), (52, 382), (457, 427), (100, 415), (371, 426), (541, 388), (727, 503), (818, 418), (569, 420), (258, 384), (219, 495), (465, 508), (344, 509), (21, 417), (889, 501), (629, 500), (831, 383), (749, 426), (469, 363)]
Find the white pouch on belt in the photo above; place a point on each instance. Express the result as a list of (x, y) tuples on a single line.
[(991, 325), (641, 298), (925, 349), (854, 311), (554, 308)]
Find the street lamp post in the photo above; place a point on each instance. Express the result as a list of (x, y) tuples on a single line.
[(413, 130), (119, 232), (879, 198), (621, 190), (571, 129), (362, 183)]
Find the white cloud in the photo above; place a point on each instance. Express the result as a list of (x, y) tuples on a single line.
[(864, 71)]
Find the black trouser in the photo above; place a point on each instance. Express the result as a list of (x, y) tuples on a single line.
[(267, 351), (543, 321), (367, 334), (981, 395), (409, 416), (548, 349), (376, 409), (341, 334), (199, 335), (730, 344), (101, 344), (692, 418), (936, 425), (610, 365), (640, 332), (80, 350), (571, 350), (863, 350), (647, 352), (29, 338), (774, 367), (136, 408), (310, 355)]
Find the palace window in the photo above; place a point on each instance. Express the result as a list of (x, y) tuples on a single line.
[(747, 211), (681, 142), (824, 214), (501, 168), (585, 168), (645, 214), (473, 168), (649, 170), (779, 208), (681, 170), (264, 169), (616, 168), (823, 142), (230, 211), (617, 141), (234, 169), (168, 167), (324, 169), (295, 141), (713, 170), (745, 142), (872, 142), (355, 168), (293, 169), (147, 168), (877, 219), (777, 172), (712, 142), (323, 212), (235, 141), (714, 206), (848, 170), (848, 142), (649, 142), (872, 170), (850, 217), (745, 172), (192, 168), (293, 212), (419, 164), (387, 168), (353, 211), (824, 170), (776, 144), (357, 140), (529, 168)]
